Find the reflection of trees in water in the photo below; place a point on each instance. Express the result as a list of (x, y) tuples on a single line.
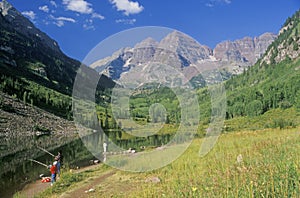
[(20, 148), (94, 142), (16, 169)]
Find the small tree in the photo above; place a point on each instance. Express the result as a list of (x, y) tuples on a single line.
[(24, 96), (119, 133), (296, 47), (1, 101), (254, 108)]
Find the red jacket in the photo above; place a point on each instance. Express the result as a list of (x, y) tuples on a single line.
[(53, 169)]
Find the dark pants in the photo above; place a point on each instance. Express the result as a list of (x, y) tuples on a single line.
[(53, 178), (58, 168)]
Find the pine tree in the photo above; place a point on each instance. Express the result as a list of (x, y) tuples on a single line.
[(24, 96)]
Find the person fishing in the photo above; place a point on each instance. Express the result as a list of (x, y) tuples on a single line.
[(59, 159), (53, 173)]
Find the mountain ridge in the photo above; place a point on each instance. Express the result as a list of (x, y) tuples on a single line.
[(25, 48), (25, 26), (184, 54), (288, 43), (34, 69)]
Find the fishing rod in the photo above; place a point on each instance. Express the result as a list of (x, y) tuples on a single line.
[(40, 163), (46, 151)]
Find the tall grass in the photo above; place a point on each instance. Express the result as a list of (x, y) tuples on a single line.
[(262, 163), (269, 168)]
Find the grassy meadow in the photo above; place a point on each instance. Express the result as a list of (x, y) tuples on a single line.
[(254, 162)]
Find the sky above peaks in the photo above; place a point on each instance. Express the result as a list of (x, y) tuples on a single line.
[(79, 25)]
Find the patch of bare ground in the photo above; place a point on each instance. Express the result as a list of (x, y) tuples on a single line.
[(89, 188)]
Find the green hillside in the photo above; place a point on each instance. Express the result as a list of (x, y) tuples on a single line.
[(34, 69), (270, 85)]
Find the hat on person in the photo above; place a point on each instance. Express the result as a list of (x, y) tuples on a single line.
[(54, 163)]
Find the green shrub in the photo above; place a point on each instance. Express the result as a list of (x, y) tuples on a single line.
[(282, 123)]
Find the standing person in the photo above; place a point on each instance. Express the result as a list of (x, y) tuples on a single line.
[(59, 159), (104, 147), (53, 172), (104, 151)]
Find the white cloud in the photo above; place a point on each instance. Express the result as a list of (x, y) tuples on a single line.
[(80, 6), (126, 21), (29, 14), (129, 7), (83, 7), (60, 21), (44, 8), (97, 16), (212, 3), (53, 3), (46, 22), (66, 19), (88, 25)]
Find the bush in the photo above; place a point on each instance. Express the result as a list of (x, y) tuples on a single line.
[(282, 123), (254, 108), (285, 104), (295, 47), (41, 128)]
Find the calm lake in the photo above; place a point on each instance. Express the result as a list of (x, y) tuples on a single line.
[(16, 169)]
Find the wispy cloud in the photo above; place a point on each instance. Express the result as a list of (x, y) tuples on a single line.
[(83, 7), (53, 3), (44, 8), (30, 14), (126, 21), (127, 6), (83, 13), (60, 21), (88, 25), (80, 6), (213, 3), (66, 19), (97, 16)]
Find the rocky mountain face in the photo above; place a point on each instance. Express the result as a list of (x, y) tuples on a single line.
[(185, 50), (24, 26), (27, 50), (181, 52), (246, 50), (30, 53), (288, 43)]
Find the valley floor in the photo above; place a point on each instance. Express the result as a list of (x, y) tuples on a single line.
[(262, 163)]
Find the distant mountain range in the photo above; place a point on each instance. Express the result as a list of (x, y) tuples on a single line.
[(181, 52), (27, 52), (26, 49)]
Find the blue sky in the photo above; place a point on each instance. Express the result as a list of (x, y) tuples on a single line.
[(79, 25)]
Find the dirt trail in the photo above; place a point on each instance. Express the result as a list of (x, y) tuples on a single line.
[(34, 188), (81, 192)]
